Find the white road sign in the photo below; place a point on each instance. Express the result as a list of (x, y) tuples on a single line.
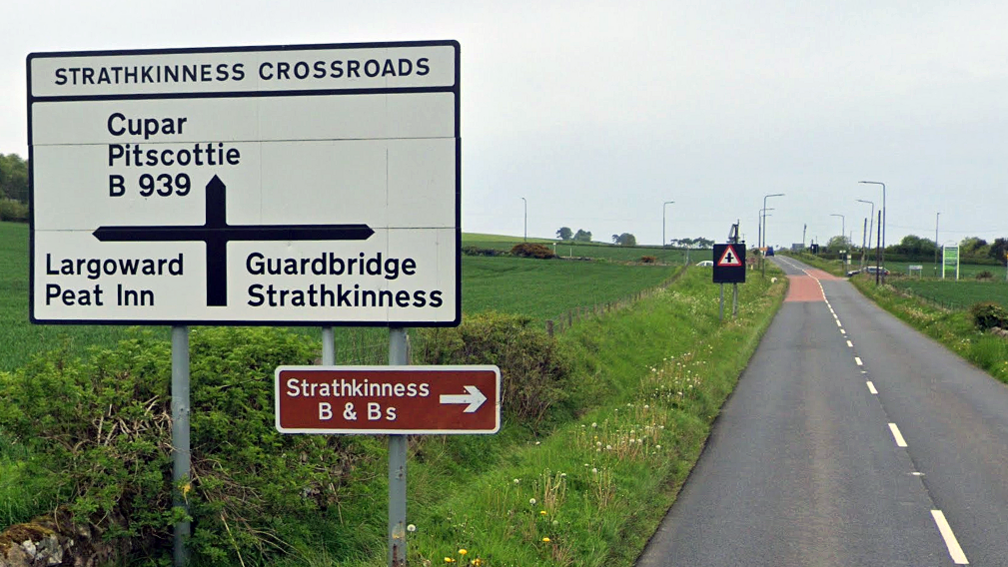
[(266, 185)]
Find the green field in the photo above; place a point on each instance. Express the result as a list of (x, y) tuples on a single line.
[(598, 250), (966, 271), (953, 294), (541, 289)]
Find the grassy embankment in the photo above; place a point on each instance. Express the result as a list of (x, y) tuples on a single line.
[(593, 492), (656, 373), (952, 327)]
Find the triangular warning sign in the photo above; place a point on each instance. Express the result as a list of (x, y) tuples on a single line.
[(729, 259)]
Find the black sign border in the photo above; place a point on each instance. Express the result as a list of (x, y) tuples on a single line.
[(455, 89), (727, 274)]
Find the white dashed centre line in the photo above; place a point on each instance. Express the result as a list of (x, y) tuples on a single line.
[(850, 344), (900, 442), (871, 387), (838, 323), (843, 332), (958, 557), (857, 359)]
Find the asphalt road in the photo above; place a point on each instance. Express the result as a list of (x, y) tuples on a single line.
[(850, 439)]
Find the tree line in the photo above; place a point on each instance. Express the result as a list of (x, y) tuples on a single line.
[(972, 249), (13, 178)]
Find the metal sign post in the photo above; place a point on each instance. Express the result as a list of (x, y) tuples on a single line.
[(398, 356), (181, 456), (395, 400)]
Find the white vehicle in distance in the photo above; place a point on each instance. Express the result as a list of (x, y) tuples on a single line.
[(706, 264)]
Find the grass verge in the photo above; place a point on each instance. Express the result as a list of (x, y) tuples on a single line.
[(952, 328), (654, 377)]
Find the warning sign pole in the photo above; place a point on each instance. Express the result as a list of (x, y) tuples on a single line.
[(734, 312)]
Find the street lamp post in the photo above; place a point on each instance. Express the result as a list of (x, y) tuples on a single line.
[(762, 218), (526, 217), (871, 225), (883, 221), (938, 214), (663, 222), (762, 257), (843, 223), (765, 197)]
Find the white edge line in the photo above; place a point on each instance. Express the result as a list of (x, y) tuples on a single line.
[(900, 442), (871, 387), (958, 557)]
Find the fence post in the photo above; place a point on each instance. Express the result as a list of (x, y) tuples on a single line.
[(549, 327)]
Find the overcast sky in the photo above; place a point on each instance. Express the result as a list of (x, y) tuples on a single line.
[(598, 112)]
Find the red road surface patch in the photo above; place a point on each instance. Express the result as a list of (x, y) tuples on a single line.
[(804, 288), (821, 275)]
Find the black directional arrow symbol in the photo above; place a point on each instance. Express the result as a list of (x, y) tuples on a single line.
[(216, 233)]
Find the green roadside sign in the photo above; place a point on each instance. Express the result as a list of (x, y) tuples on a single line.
[(950, 260)]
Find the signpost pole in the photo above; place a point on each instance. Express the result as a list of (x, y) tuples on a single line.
[(398, 355), (180, 435), (328, 347)]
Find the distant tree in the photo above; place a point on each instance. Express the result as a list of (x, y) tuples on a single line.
[(915, 247), (583, 235), (13, 178), (565, 233), (970, 244), (838, 243), (699, 242), (998, 249), (974, 247), (625, 239)]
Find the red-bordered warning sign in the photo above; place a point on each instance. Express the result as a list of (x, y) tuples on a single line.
[(729, 263), (729, 258)]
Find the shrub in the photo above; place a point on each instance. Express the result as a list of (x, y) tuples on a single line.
[(477, 251), (987, 315), (985, 275), (648, 259), (102, 431), (528, 250), (535, 371), (11, 210)]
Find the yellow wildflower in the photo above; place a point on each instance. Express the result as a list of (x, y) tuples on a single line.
[(546, 540), (463, 551)]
